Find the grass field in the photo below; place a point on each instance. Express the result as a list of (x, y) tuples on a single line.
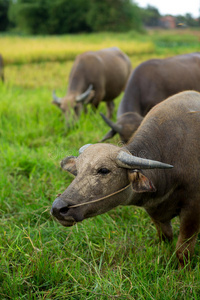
[(112, 256)]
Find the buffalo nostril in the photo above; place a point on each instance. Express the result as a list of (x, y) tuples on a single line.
[(64, 210), (59, 208)]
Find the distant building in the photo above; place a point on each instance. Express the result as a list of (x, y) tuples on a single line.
[(168, 22)]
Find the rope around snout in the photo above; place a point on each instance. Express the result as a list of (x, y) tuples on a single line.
[(97, 200)]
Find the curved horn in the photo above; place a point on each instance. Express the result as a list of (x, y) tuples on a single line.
[(117, 128), (83, 148), (129, 161), (55, 98), (83, 96), (108, 135)]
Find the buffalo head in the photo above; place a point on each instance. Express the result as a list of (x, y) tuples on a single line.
[(106, 176), (73, 102)]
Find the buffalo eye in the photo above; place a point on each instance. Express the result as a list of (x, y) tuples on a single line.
[(103, 171)]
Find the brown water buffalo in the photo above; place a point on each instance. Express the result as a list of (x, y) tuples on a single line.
[(1, 68), (108, 176), (150, 83), (95, 76)]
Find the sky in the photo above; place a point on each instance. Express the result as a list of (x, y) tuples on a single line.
[(173, 7)]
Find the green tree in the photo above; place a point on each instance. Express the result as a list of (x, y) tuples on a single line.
[(47, 16), (4, 21), (150, 16), (30, 16), (190, 21), (66, 16), (113, 15)]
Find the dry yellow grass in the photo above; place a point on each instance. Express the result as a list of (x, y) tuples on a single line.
[(19, 50), (34, 62), (53, 75)]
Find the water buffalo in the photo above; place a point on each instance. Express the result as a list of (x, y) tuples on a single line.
[(108, 176), (150, 83), (95, 76), (1, 68)]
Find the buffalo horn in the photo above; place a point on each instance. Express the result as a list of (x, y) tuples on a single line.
[(129, 161), (114, 126), (55, 98), (108, 135), (83, 96), (83, 148)]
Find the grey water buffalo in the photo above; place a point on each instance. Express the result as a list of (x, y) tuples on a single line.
[(1, 68), (95, 76), (141, 173), (150, 83)]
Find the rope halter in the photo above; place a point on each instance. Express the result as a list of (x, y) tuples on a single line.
[(100, 199)]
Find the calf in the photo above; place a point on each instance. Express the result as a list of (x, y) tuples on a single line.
[(108, 176)]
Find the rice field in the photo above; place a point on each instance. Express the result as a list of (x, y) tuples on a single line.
[(112, 256), (30, 49)]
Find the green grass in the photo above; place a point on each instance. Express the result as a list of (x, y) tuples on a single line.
[(112, 256)]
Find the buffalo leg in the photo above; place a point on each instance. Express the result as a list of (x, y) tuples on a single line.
[(189, 228), (164, 230), (110, 108)]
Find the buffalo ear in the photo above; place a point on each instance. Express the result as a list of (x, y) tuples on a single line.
[(69, 164), (139, 182)]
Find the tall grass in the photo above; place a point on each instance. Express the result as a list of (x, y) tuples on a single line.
[(112, 256), (27, 49)]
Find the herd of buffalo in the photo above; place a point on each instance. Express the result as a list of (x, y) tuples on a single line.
[(158, 121)]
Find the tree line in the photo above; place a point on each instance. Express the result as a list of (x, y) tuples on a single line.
[(67, 16)]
